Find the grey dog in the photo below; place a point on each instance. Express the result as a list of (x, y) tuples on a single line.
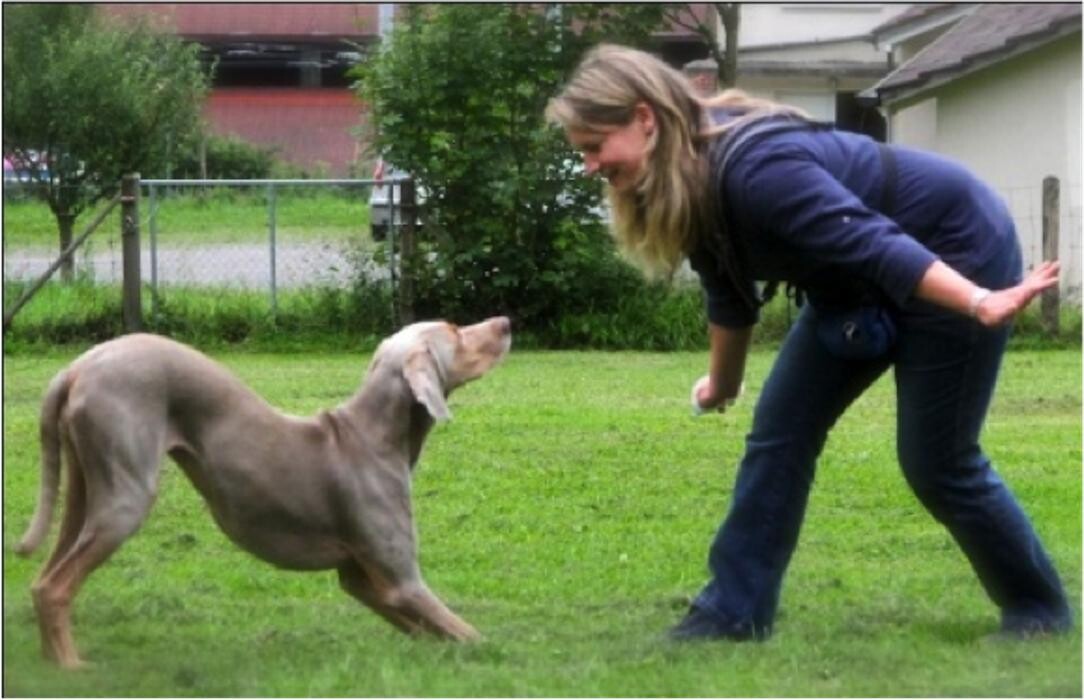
[(330, 492)]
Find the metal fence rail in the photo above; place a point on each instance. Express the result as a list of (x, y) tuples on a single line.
[(231, 255)]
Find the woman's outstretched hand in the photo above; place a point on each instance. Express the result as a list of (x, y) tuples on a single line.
[(1001, 306)]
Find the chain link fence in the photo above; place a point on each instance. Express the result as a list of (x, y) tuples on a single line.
[(274, 235), (1026, 206), (268, 235)]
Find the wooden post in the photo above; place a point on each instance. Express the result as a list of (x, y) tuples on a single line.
[(129, 222), (1050, 301), (407, 214)]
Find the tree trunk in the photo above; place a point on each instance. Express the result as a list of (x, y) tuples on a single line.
[(65, 223), (730, 15)]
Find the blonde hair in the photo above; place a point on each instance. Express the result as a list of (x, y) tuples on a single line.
[(658, 221)]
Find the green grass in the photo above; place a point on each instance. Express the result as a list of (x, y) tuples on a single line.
[(223, 216), (566, 512)]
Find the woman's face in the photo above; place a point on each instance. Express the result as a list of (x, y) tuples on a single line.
[(619, 154)]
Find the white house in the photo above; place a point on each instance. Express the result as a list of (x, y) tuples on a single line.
[(817, 56), (997, 87)]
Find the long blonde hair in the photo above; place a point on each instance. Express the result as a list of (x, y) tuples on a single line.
[(658, 221)]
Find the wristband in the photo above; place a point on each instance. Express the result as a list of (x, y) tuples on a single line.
[(977, 297)]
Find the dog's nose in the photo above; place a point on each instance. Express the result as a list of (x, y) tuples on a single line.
[(503, 324)]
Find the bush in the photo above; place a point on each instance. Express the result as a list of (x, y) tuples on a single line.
[(654, 318), (457, 100), (227, 158)]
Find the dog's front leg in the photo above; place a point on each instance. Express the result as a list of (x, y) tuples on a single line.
[(354, 580), (409, 605)]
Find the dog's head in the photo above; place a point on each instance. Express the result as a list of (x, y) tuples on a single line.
[(436, 357)]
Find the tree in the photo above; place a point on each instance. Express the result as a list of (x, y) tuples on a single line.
[(86, 102), (725, 55), (457, 99)]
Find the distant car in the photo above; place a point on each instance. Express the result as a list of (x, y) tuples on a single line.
[(19, 179), (13, 176), (380, 211), (379, 199)]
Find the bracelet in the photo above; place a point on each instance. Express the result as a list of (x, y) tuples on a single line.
[(977, 297)]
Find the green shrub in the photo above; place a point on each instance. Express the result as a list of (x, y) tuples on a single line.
[(646, 317), (458, 100), (228, 157)]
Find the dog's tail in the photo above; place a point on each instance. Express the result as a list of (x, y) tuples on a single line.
[(55, 398)]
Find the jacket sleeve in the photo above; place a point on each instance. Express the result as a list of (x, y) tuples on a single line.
[(723, 303), (787, 194)]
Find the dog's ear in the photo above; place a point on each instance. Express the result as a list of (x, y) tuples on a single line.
[(422, 374)]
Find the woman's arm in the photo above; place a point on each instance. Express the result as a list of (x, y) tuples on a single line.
[(945, 287), (726, 365)]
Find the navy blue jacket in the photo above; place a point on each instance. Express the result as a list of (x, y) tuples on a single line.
[(804, 203)]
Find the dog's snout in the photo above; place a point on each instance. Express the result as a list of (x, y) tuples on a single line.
[(503, 324)]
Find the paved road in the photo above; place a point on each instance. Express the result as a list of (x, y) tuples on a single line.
[(296, 265)]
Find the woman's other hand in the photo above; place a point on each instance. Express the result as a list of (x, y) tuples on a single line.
[(1001, 306)]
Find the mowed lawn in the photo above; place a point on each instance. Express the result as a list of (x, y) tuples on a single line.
[(566, 512)]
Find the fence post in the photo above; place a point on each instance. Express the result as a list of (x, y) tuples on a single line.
[(129, 203), (406, 254), (1050, 302), (271, 239)]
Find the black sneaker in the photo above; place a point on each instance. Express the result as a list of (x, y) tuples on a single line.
[(701, 625), (1017, 627)]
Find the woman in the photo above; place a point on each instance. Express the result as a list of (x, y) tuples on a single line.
[(907, 261)]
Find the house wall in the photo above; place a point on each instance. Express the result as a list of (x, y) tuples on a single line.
[(1014, 124), (789, 22), (801, 36)]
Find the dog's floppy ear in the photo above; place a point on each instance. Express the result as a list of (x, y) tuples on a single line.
[(422, 374)]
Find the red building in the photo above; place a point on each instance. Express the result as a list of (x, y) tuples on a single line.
[(280, 77)]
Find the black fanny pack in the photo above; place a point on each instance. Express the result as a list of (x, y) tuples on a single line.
[(858, 333)]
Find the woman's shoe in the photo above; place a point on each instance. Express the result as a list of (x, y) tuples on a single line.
[(702, 625)]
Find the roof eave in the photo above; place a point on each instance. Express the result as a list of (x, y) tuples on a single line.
[(912, 91), (843, 70), (886, 40)]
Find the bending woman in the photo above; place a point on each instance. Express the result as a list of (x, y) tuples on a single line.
[(908, 262)]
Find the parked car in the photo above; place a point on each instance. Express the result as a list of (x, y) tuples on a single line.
[(380, 210), (381, 196), (19, 180)]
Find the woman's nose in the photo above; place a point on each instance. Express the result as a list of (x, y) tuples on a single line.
[(590, 164)]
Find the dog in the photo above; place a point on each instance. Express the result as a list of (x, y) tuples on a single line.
[(330, 492)]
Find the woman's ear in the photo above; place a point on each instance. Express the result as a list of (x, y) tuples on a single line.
[(644, 115)]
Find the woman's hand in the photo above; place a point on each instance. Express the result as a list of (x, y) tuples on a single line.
[(1001, 306), (707, 397)]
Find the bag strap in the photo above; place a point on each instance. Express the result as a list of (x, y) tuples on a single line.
[(727, 250), (888, 179)]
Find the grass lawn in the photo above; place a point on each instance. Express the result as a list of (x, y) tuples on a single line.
[(566, 512), (224, 216)]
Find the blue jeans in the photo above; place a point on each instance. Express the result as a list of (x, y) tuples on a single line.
[(945, 369)]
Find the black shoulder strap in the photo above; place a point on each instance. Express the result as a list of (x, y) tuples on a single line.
[(888, 179), (724, 246)]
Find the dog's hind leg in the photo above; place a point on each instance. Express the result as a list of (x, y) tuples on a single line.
[(75, 509), (54, 592), (113, 509)]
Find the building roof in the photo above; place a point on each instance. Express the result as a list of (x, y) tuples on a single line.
[(310, 127), (988, 34), (915, 15), (278, 21)]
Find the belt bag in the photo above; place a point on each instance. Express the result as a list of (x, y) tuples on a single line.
[(857, 333)]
